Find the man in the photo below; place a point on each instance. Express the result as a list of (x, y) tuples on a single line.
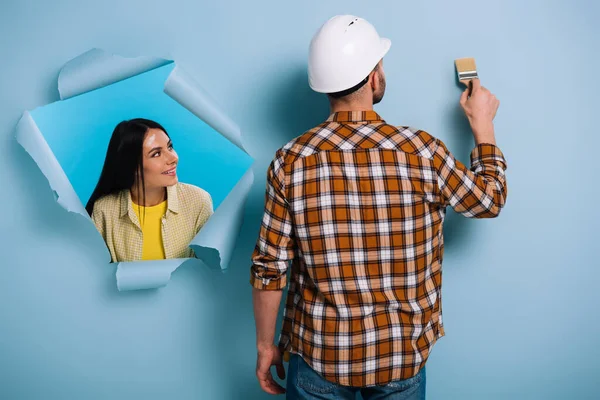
[(356, 206)]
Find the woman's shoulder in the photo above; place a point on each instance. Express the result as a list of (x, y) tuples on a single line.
[(108, 204), (194, 197), (192, 192)]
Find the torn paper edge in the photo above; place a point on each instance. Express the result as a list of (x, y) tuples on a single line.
[(181, 87), (96, 69), (215, 249), (138, 275), (28, 135)]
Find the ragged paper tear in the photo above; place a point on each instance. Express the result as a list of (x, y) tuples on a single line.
[(95, 69), (68, 140), (29, 136), (136, 275)]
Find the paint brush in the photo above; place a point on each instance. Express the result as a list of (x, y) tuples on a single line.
[(467, 71)]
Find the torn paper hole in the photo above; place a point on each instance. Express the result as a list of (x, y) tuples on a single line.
[(69, 139)]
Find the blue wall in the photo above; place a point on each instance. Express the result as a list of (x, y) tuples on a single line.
[(520, 292)]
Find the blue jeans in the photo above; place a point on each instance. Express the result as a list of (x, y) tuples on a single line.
[(304, 383)]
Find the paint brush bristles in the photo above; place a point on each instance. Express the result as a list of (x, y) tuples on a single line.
[(466, 69)]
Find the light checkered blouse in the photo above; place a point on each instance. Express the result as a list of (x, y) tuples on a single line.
[(188, 209), (357, 206)]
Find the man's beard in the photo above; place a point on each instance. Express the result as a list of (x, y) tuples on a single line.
[(377, 97)]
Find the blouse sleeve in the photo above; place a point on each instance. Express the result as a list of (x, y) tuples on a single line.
[(206, 211), (99, 221)]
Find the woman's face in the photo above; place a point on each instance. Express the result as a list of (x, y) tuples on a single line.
[(159, 160)]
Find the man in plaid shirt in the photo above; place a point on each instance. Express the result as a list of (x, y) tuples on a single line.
[(355, 209)]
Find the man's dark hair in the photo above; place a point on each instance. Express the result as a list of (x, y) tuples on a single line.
[(343, 93)]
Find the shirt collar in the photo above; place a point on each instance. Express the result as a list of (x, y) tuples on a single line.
[(172, 201), (125, 202), (355, 116)]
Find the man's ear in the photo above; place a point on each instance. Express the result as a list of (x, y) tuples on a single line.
[(374, 79)]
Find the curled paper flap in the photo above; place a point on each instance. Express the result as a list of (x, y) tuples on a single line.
[(96, 68), (187, 92), (216, 241), (136, 275), (31, 139)]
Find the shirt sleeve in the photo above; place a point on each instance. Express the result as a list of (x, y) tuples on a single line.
[(205, 212), (478, 192), (98, 218), (275, 247)]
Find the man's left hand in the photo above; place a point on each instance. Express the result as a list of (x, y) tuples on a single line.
[(266, 358)]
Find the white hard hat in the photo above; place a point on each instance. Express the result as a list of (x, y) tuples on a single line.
[(343, 53)]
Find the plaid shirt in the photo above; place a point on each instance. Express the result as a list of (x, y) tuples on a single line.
[(356, 206)]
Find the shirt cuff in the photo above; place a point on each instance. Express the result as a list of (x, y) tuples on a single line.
[(487, 152), (268, 283)]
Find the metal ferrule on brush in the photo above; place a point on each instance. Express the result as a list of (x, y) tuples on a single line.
[(467, 75)]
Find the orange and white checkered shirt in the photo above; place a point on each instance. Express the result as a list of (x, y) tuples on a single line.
[(356, 207)]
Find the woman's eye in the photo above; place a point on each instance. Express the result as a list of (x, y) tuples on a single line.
[(171, 147), (157, 154)]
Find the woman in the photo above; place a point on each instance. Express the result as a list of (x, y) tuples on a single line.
[(139, 207)]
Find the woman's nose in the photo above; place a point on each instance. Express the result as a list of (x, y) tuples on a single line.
[(173, 158)]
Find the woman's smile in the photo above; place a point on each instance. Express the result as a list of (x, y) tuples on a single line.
[(171, 172)]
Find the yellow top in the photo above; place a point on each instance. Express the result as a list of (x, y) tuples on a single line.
[(187, 209), (151, 219)]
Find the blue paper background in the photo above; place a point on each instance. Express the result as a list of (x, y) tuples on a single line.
[(520, 292), (78, 131)]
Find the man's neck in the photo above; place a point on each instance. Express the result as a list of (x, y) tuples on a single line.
[(337, 106)]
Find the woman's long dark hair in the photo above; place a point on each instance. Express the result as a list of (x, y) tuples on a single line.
[(123, 160)]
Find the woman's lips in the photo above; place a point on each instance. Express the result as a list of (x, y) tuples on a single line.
[(170, 172)]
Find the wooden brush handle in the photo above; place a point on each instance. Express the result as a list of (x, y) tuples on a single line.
[(469, 84)]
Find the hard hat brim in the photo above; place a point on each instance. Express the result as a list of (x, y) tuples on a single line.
[(385, 47), (385, 44)]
